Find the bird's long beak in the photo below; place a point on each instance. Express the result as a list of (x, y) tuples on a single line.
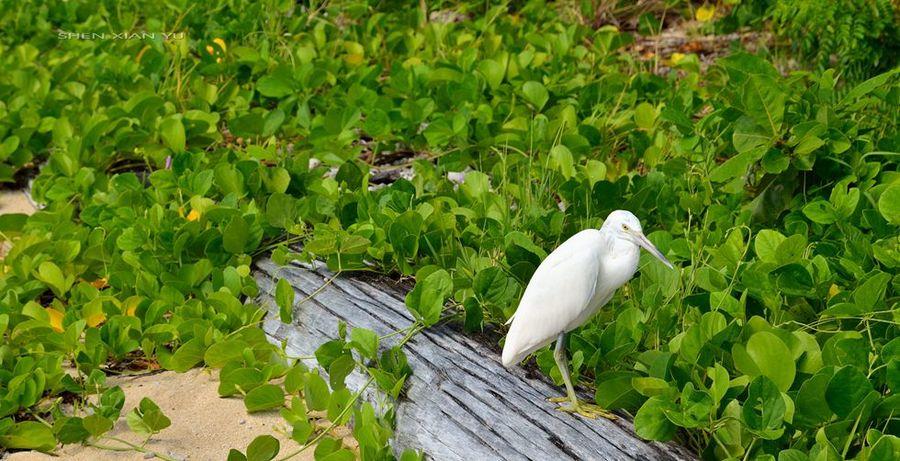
[(645, 243)]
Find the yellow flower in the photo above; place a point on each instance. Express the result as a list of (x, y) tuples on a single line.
[(210, 50), (193, 215), (833, 291), (56, 318), (99, 283), (354, 59), (705, 13), (676, 58), (221, 43)]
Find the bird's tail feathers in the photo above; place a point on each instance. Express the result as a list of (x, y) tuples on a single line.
[(515, 350)]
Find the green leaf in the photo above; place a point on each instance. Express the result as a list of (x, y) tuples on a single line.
[(764, 101), (12, 223), (793, 279), (651, 423), (236, 235), (316, 393), (281, 210), (301, 431), (595, 171), (377, 123), (561, 160), (649, 386), (766, 244), (147, 418), (244, 379), (222, 352), (426, 300), (868, 86), (153, 416), (188, 355), (365, 341), (172, 132), (97, 424), (229, 180), (492, 285), (846, 390), (772, 358), (70, 430), (820, 211), (235, 455), (51, 274), (8, 146), (764, 408), (749, 136), (339, 369), (263, 448), (295, 378), (265, 397), (535, 93), (889, 204), (492, 71), (735, 166), (810, 411), (276, 85), (614, 390), (871, 292), (29, 435), (284, 297), (251, 124), (136, 423), (644, 116)]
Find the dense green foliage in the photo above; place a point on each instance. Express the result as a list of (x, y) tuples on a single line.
[(459, 147), (859, 36), (856, 37)]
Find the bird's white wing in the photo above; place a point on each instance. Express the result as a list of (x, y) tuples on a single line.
[(560, 291)]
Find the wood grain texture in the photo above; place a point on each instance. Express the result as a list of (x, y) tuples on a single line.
[(460, 403)]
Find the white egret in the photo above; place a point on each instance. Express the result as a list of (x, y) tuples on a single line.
[(569, 287)]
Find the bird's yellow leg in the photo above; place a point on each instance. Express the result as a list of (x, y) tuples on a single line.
[(586, 410)]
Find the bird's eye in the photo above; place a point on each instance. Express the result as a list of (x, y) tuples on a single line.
[(625, 226)]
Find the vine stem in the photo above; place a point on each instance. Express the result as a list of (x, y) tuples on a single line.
[(333, 424), (412, 330), (129, 447)]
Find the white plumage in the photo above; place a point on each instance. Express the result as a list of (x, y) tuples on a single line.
[(577, 279)]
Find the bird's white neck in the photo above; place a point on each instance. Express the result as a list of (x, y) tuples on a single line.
[(622, 261)]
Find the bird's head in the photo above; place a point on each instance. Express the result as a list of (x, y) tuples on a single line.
[(624, 225)]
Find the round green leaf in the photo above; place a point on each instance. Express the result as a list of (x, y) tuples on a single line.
[(773, 359), (265, 397), (29, 435), (846, 390), (889, 204), (651, 423), (172, 132), (263, 448), (536, 94)]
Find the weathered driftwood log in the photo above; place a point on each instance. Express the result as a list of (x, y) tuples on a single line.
[(460, 402)]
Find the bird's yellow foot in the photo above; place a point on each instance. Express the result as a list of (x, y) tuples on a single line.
[(586, 410)]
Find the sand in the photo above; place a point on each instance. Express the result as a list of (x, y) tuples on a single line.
[(204, 426), (13, 201)]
